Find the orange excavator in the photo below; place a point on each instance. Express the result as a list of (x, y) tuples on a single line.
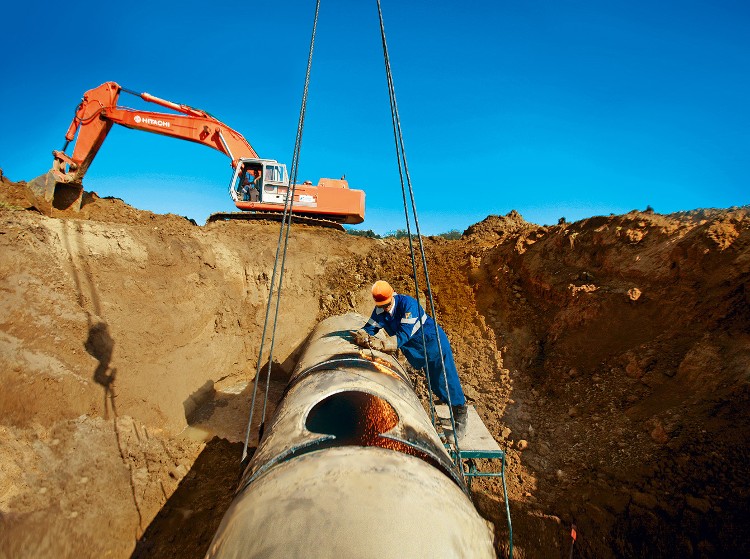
[(259, 187)]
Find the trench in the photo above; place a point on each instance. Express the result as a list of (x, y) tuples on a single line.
[(635, 411)]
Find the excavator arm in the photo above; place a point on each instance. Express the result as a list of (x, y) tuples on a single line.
[(94, 117)]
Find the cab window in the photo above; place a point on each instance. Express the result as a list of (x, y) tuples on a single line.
[(275, 173)]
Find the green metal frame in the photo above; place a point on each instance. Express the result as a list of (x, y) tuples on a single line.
[(472, 472)]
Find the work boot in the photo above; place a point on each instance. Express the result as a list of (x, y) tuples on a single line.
[(460, 418)]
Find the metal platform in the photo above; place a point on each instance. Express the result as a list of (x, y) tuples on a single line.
[(477, 442)]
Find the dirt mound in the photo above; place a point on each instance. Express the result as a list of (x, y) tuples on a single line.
[(630, 338), (13, 194), (497, 228), (609, 358)]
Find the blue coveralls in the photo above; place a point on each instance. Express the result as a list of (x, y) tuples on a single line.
[(405, 325)]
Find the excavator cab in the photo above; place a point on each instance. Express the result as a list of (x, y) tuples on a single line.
[(260, 180)]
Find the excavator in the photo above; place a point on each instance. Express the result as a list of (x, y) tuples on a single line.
[(259, 187)]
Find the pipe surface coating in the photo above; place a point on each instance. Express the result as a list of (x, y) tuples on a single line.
[(350, 466)]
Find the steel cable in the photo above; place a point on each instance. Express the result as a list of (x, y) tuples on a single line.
[(401, 156), (286, 224)]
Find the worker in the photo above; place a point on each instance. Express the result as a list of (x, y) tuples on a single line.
[(243, 188), (249, 183), (403, 317)]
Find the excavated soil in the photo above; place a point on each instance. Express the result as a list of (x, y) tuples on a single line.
[(609, 357)]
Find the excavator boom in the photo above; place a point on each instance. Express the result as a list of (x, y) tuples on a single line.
[(99, 111)]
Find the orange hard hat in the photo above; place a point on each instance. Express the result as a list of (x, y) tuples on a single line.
[(382, 292)]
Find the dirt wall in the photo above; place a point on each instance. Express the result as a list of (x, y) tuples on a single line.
[(608, 357)]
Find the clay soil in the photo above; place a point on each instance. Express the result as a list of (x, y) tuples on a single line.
[(609, 357)]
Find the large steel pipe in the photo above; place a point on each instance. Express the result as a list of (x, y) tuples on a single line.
[(350, 466)]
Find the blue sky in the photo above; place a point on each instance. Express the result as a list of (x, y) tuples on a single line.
[(568, 108)]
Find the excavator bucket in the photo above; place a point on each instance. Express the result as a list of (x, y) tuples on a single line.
[(46, 192)]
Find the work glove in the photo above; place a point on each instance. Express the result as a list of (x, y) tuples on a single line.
[(386, 346), (361, 338)]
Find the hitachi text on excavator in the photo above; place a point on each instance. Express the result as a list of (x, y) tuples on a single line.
[(259, 187)]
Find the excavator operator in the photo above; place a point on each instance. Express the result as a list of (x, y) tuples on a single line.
[(402, 316), (250, 182)]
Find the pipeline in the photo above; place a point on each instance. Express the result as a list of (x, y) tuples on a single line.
[(350, 466)]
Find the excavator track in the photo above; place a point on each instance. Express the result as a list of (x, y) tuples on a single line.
[(274, 216)]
